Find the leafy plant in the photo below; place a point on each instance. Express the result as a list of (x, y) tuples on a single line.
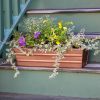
[(46, 34)]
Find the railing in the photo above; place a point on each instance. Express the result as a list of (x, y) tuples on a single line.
[(11, 11)]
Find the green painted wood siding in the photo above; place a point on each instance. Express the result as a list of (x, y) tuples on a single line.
[(15, 7), (63, 4), (7, 6), (1, 22), (23, 1), (89, 21), (37, 82)]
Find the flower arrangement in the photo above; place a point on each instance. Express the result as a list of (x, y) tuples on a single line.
[(47, 34)]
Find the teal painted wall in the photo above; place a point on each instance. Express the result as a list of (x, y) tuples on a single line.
[(37, 82), (89, 21), (61, 4)]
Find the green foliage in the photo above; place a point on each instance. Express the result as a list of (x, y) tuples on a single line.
[(52, 32), (47, 34)]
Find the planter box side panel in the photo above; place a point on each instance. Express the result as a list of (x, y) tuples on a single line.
[(72, 59)]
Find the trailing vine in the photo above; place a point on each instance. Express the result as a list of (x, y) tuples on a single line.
[(43, 34)]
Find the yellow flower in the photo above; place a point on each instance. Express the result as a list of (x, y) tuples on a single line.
[(54, 36), (60, 25), (57, 42)]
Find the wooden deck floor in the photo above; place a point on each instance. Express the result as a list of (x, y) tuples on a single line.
[(14, 96)]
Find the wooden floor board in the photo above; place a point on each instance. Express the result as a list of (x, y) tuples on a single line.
[(14, 96)]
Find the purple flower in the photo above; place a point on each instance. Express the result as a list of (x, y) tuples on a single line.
[(36, 34), (21, 41)]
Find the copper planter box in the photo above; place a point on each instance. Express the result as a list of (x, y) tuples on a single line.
[(76, 58)]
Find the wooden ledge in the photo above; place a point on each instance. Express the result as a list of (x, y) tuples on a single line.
[(68, 10), (20, 96), (89, 68)]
